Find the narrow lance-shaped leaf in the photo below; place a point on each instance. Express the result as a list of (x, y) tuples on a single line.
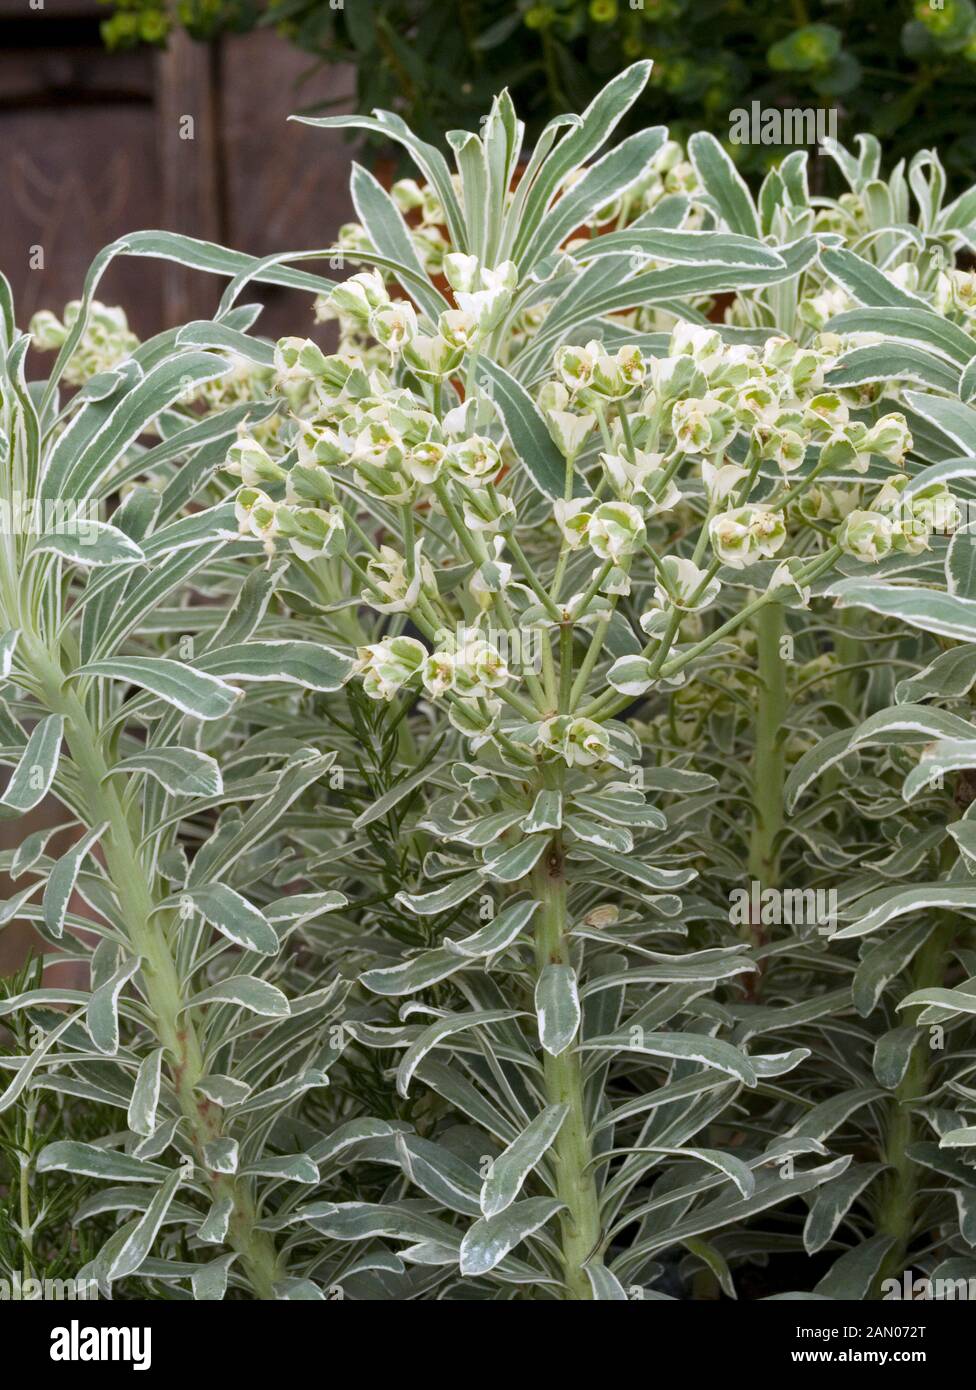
[(527, 430), (488, 1241), (62, 879), (33, 775), (141, 1115), (557, 1007), (247, 991), (181, 771), (235, 917), (190, 691), (510, 1169)]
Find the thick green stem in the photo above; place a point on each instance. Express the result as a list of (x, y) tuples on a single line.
[(146, 929), (768, 767), (575, 1185), (897, 1214)]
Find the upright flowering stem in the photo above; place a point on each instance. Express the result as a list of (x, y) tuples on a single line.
[(146, 929), (768, 765), (563, 1079), (897, 1216)]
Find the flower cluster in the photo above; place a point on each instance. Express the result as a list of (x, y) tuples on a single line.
[(106, 341)]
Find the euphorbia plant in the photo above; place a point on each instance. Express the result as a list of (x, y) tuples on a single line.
[(613, 500), (518, 653)]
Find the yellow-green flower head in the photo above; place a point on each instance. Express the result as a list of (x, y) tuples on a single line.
[(389, 665), (616, 529), (867, 536)]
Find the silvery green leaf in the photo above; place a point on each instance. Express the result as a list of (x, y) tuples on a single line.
[(257, 996), (513, 864), (141, 1115), (298, 908), (62, 879), (34, 773), (222, 1155), (877, 909), (828, 751), (234, 917), (213, 1230), (645, 874), (557, 1007), (488, 1241), (954, 1001), (437, 1033), (8, 645), (485, 830), (960, 563), (606, 1287), (957, 422), (852, 1275), (967, 382), (595, 832), (190, 691), (439, 1173), (309, 664), (585, 135), (913, 324), (102, 1015), (299, 1290), (390, 236), (527, 430), (412, 975), (510, 1169), (833, 1202), (498, 934), (883, 962), (223, 1090), (893, 1055), (209, 1281), (181, 771), (13, 906), (90, 543), (31, 850), (69, 1156), (290, 1168), (912, 724), (893, 362), (36, 1058), (619, 806), (546, 813), (959, 1138), (601, 183), (684, 247), (442, 899), (128, 1260), (691, 1047), (311, 1079), (348, 1134), (724, 184), (366, 1220), (865, 282)]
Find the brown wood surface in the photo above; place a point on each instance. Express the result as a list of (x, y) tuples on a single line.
[(90, 149)]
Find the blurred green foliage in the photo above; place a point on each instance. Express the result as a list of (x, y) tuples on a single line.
[(905, 71)]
